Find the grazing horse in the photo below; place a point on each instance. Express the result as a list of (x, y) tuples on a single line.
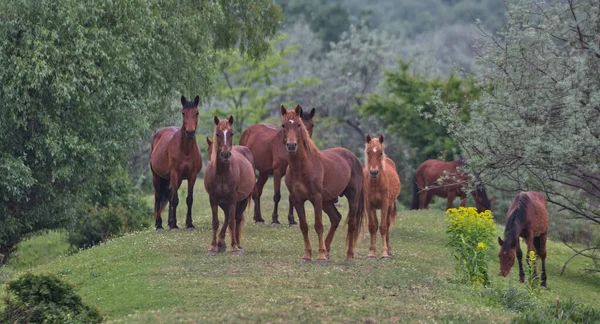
[(320, 177), (229, 181), (527, 217), (175, 157), (445, 179), (270, 156), (382, 187)]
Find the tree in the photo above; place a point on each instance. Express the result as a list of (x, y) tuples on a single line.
[(538, 126), (408, 98), (80, 85)]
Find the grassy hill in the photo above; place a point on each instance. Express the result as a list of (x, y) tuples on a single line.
[(167, 277)]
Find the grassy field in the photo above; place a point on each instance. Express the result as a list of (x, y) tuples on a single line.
[(167, 277)]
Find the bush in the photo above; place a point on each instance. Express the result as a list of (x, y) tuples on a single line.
[(45, 299), (119, 210), (557, 312), (471, 234)]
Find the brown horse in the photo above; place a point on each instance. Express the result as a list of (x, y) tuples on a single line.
[(175, 157), (236, 148), (382, 187), (445, 179), (229, 181), (320, 177), (527, 217), (271, 158)]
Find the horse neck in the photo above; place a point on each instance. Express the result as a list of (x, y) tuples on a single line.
[(302, 157), (185, 143), (222, 168), (512, 231)]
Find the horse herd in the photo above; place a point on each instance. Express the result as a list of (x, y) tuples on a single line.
[(319, 176)]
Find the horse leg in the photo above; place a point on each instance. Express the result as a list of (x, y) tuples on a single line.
[(373, 225), (277, 195), (355, 198), (334, 218), (520, 260), (235, 250), (260, 184), (423, 199), (463, 199), (540, 244), (161, 188), (189, 201), (215, 225), (175, 183), (389, 226), (451, 196), (221, 245), (318, 206), (383, 229), (239, 220), (291, 213), (307, 257)]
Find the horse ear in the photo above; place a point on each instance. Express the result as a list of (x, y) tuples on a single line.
[(368, 138), (500, 241), (230, 120), (312, 113), (208, 141), (216, 120), (298, 110), (283, 110), (381, 138), (196, 101), (183, 100)]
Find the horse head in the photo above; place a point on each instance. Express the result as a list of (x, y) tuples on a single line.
[(374, 155), (307, 120), (223, 136), (292, 128), (190, 116), (480, 196), (506, 256)]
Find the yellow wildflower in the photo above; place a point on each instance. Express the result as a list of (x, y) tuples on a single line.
[(481, 246)]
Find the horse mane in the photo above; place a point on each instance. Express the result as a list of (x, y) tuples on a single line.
[(516, 218), (310, 145)]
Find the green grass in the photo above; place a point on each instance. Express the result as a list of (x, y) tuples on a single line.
[(167, 277)]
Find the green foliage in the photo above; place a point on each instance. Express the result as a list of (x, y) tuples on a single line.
[(118, 210), (40, 249), (45, 299), (470, 234), (568, 311), (510, 298), (81, 84), (533, 279), (246, 86), (408, 101)]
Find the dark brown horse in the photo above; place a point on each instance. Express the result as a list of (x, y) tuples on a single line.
[(527, 217), (320, 177), (382, 187), (446, 180), (175, 157), (270, 156), (229, 180)]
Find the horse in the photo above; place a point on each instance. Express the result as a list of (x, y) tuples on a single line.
[(265, 143), (229, 181), (175, 157), (446, 179), (382, 187), (320, 177), (238, 148), (527, 217)]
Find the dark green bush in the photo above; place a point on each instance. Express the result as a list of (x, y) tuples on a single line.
[(45, 299)]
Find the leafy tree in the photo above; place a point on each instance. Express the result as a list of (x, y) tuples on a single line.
[(408, 98), (538, 126), (246, 87), (81, 84)]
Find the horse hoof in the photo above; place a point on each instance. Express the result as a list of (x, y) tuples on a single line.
[(160, 229), (259, 222), (174, 229), (293, 224), (385, 258), (371, 258), (211, 253), (238, 252), (304, 261), (191, 228), (273, 224), (322, 262)]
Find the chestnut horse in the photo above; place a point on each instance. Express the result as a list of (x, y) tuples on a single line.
[(527, 217), (229, 181), (175, 157), (382, 187), (266, 144), (445, 179), (320, 177)]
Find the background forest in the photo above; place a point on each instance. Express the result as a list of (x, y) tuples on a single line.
[(79, 105)]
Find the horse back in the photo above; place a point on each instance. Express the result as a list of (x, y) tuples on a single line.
[(537, 215), (260, 140), (428, 173)]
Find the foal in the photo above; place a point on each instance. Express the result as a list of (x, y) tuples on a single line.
[(527, 217), (382, 187), (175, 157), (229, 181)]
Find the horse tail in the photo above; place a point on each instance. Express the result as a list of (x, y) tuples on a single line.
[(415, 198), (165, 194), (393, 214), (354, 232)]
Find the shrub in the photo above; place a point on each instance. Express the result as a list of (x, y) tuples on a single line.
[(569, 311), (471, 234), (45, 299)]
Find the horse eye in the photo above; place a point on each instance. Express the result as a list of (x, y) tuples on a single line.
[(197, 114), (282, 125), (298, 125)]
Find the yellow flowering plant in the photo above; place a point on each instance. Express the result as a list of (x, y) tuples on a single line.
[(533, 280), (471, 234)]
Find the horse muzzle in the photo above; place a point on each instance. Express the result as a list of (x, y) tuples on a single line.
[(292, 147), (190, 134), (374, 173), (225, 156)]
